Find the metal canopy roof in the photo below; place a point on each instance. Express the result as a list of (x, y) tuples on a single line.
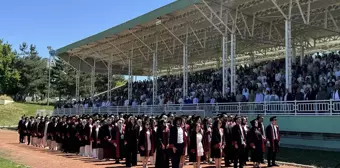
[(260, 26)]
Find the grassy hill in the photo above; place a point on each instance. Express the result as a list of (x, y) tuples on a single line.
[(11, 113)]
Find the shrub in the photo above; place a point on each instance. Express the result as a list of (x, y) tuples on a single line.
[(5, 97)]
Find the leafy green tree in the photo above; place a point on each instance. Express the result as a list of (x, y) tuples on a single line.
[(33, 71), (9, 74)]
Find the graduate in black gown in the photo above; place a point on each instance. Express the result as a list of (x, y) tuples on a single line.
[(239, 142), (255, 143), (217, 142), (131, 139), (162, 142), (108, 140), (273, 141)]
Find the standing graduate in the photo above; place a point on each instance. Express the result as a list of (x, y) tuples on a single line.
[(228, 150), (107, 140), (146, 143), (259, 119), (196, 147), (95, 139), (217, 142), (41, 131), (162, 142), (87, 138), (239, 142), (207, 130), (131, 139), (29, 130), (255, 143), (273, 141), (177, 142), (20, 129)]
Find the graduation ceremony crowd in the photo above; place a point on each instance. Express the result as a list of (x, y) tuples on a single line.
[(318, 78), (163, 140)]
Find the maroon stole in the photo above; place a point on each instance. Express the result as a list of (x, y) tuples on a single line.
[(206, 143), (165, 137), (117, 140), (278, 136)]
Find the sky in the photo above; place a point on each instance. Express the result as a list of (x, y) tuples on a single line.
[(58, 23)]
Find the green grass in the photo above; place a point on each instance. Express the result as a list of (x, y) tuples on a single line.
[(11, 113), (4, 163), (318, 158)]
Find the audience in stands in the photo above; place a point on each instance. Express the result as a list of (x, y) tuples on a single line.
[(318, 78)]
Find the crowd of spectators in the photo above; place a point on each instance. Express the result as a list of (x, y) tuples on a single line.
[(318, 78)]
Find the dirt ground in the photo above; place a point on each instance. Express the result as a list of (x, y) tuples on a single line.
[(42, 158)]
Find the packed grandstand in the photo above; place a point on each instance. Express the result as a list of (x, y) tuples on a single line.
[(316, 79)]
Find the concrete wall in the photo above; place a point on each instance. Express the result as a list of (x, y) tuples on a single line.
[(310, 124)]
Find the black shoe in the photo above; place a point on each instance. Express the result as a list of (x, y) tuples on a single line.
[(269, 166), (276, 165)]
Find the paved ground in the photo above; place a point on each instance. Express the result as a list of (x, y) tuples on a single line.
[(41, 158)]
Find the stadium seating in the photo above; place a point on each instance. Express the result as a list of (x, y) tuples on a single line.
[(316, 79)]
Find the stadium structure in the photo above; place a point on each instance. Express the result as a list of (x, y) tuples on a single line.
[(189, 35)]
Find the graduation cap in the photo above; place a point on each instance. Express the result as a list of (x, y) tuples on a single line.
[(272, 118)]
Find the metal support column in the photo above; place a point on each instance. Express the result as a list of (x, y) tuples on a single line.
[(185, 66), (155, 74), (232, 61), (288, 43), (302, 54), (109, 79), (225, 64), (77, 84), (130, 79), (93, 79)]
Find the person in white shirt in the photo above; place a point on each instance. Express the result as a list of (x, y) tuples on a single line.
[(176, 142), (273, 141)]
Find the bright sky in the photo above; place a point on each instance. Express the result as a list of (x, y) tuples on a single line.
[(61, 22)]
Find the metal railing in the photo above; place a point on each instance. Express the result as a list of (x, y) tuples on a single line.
[(317, 107)]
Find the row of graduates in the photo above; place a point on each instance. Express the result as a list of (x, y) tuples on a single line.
[(119, 137)]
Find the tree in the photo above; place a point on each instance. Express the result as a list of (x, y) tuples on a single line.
[(9, 74), (33, 71)]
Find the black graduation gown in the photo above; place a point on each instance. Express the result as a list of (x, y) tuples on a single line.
[(95, 139), (64, 136), (131, 138), (255, 140), (50, 130), (107, 135), (216, 142), (193, 147), (143, 142), (87, 134), (228, 150), (162, 140), (41, 130), (58, 132), (72, 138)]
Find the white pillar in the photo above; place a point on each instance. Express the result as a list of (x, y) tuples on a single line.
[(185, 71), (130, 78), (109, 79), (155, 74), (224, 64), (185, 66), (232, 62), (93, 79), (288, 43)]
